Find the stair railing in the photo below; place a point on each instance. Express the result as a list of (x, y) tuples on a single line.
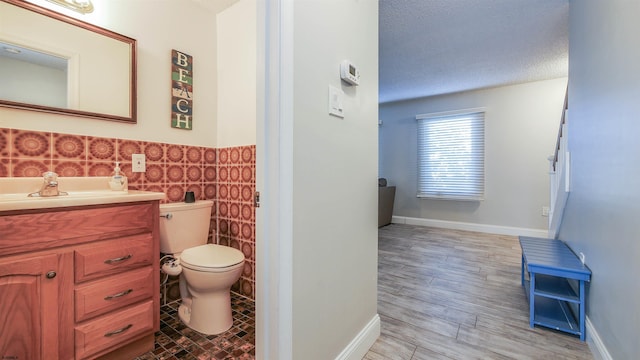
[(559, 170)]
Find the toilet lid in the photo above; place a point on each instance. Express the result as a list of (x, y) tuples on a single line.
[(211, 256)]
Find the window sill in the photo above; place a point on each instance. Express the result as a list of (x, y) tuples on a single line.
[(449, 197)]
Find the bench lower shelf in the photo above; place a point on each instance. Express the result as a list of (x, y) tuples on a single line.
[(553, 313)]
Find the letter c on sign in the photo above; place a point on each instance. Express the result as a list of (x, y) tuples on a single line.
[(180, 104)]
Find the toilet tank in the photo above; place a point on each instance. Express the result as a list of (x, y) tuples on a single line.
[(184, 225)]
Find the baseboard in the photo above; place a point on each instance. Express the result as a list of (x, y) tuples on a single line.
[(596, 345), (361, 344), (456, 225)]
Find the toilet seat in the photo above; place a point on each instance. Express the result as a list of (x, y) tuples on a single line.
[(211, 258)]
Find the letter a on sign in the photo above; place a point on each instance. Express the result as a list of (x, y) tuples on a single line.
[(181, 90)]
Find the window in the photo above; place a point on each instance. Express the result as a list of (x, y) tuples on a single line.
[(451, 155)]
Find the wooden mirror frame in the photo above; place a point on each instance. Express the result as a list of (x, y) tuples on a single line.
[(132, 118)]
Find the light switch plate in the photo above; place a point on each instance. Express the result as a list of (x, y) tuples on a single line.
[(336, 97), (138, 163)]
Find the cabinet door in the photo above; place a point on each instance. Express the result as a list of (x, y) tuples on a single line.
[(29, 307)]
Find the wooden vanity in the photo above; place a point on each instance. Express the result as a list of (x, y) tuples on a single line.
[(80, 282)]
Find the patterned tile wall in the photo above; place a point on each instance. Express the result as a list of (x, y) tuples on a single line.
[(236, 211), (226, 176)]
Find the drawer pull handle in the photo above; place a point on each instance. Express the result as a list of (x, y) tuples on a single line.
[(119, 331), (120, 294), (117, 260), (51, 274)]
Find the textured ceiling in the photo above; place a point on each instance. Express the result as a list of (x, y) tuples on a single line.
[(432, 47)]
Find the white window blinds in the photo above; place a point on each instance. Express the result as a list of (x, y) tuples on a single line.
[(451, 155)]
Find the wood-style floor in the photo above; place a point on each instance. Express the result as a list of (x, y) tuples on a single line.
[(449, 294)]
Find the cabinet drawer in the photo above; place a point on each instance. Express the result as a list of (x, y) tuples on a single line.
[(113, 256), (115, 292), (30, 231), (104, 333)]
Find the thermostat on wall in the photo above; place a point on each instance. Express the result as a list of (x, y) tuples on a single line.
[(349, 73)]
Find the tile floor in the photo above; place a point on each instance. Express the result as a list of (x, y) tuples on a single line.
[(176, 341)]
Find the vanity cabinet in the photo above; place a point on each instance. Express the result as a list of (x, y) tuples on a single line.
[(79, 282), (30, 300)]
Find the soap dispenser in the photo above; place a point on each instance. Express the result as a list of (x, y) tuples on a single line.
[(118, 182)]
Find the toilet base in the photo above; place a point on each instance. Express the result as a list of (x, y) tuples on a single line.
[(184, 313), (209, 322)]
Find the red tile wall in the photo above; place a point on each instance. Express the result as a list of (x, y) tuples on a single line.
[(236, 211), (225, 175)]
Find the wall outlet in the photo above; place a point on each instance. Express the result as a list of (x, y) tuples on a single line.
[(138, 163), (545, 211)]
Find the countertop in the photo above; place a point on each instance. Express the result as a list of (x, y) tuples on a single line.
[(82, 191)]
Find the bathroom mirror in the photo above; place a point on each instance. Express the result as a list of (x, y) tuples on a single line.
[(54, 63)]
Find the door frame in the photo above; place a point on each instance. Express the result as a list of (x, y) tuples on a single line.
[(274, 180)]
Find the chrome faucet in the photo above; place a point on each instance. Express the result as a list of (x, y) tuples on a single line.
[(49, 187)]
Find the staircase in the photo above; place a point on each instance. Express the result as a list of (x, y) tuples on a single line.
[(559, 170)]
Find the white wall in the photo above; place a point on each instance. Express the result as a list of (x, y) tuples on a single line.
[(237, 75), (334, 177), (521, 124), (37, 84), (601, 217), (159, 27)]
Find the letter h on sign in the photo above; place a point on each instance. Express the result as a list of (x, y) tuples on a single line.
[(181, 90)]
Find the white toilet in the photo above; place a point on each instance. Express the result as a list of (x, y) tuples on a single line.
[(207, 270)]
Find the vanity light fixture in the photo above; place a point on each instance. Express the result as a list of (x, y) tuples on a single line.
[(81, 6)]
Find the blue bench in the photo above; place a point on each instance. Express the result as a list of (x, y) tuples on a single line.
[(555, 286)]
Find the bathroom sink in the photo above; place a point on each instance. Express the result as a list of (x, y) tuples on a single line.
[(11, 197), (69, 194), (14, 193), (93, 193)]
